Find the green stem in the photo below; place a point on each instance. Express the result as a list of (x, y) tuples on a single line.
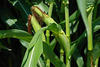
[(89, 33), (50, 9), (67, 22), (48, 63), (53, 44), (67, 31), (90, 59), (48, 32), (90, 39), (49, 13), (48, 36), (61, 54)]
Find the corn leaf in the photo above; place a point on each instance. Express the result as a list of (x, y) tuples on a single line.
[(35, 38), (34, 51), (24, 43), (54, 27), (43, 7), (82, 8), (15, 33), (35, 54)]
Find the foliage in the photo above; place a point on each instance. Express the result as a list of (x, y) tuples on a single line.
[(65, 33)]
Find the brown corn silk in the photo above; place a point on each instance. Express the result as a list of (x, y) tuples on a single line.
[(29, 24)]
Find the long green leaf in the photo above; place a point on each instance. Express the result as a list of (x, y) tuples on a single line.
[(34, 51), (35, 38), (15, 33), (82, 8)]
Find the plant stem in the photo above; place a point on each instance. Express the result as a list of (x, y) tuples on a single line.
[(61, 54), (89, 59), (48, 35), (49, 13), (50, 9), (48, 63), (67, 22), (89, 33), (90, 39), (48, 32), (67, 31)]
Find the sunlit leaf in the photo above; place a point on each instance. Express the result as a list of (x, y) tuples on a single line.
[(43, 7), (10, 22), (24, 43)]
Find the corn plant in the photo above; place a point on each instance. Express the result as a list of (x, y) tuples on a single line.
[(57, 33)]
